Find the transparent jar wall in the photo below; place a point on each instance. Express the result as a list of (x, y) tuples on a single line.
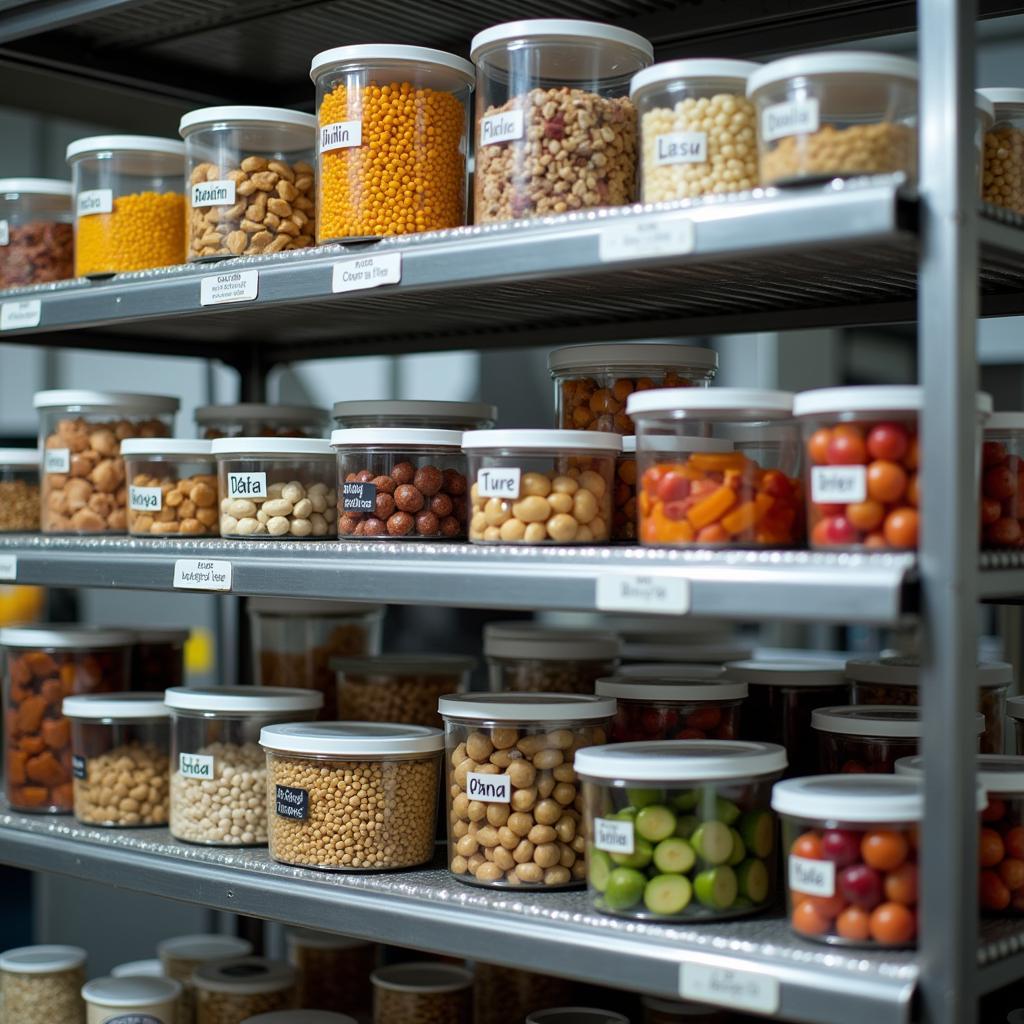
[(504, 994), (212, 430), (1002, 179), (1002, 493), (333, 833), (396, 695), (411, 494), (171, 494), (1001, 845), (39, 246), (84, 488), (876, 755), (232, 1007), (391, 1005), (300, 500), (19, 497), (677, 720), (335, 979), (37, 735), (624, 511), (158, 665), (701, 850), (43, 998), (121, 772), (547, 675)]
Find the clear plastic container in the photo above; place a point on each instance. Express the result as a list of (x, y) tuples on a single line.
[(41, 984), (835, 115), (668, 1011), (681, 829), (334, 970), (321, 777), (251, 183), (129, 203), (984, 118), (84, 489), (172, 487), (1014, 713), (541, 486), (502, 994), (416, 413), (232, 991), (181, 956), (256, 419), (624, 514), (657, 651), (115, 1000), (151, 968), (555, 128), (718, 468), (1002, 485), (276, 488), (401, 483), (427, 993), (394, 136), (300, 1017), (42, 666), (36, 232), (215, 739), (120, 744), (19, 490), (158, 658), (1002, 177), (510, 755)]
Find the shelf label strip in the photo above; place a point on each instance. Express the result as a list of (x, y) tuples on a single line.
[(15, 316), (366, 272), (633, 592), (238, 286), (632, 240), (724, 986), (8, 568), (202, 574)]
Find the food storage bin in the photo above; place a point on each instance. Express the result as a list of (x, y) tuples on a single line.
[(576, 1015), (897, 681), (129, 203), (36, 232), (120, 744), (172, 487), (417, 413), (271, 487), (19, 490), (1002, 176), (43, 665), (524, 656), (151, 968), (555, 89), (114, 1000), (835, 115), (322, 777), (541, 486), (394, 135), (255, 419), (231, 991), (401, 482), (668, 1011), (158, 658), (181, 956), (511, 755), (83, 476), (334, 970), (1002, 488), (399, 687), (214, 740), (428, 993), (729, 474), (624, 517), (250, 180), (300, 1017), (294, 642), (41, 984), (502, 994)]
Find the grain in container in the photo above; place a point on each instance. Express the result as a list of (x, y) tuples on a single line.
[(401, 483), (115, 1000), (300, 1017), (502, 994), (327, 780), (511, 755), (835, 115), (218, 770), (424, 992), (421, 413), (172, 487), (576, 1015), (129, 203), (158, 658), (276, 488), (36, 232), (555, 128), (41, 984), (541, 486), (1002, 175), (231, 991), (258, 419), (181, 956), (19, 490), (42, 666), (668, 1011), (84, 488), (1002, 484), (251, 186), (151, 968), (334, 970)]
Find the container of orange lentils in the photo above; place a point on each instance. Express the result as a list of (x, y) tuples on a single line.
[(129, 203), (393, 140), (717, 468)]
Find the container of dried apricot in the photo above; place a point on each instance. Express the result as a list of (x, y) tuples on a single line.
[(393, 142), (172, 487), (129, 203)]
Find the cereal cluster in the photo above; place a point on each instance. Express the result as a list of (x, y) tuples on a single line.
[(19, 505), (1002, 176), (588, 404), (43, 998), (123, 787), (405, 696), (391, 1006), (187, 506), (36, 252), (145, 229), (237, 1007), (289, 510), (624, 500)]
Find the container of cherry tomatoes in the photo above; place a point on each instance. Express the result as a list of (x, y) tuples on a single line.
[(1002, 481), (733, 476)]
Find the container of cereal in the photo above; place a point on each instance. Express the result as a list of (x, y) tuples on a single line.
[(230, 991), (133, 998), (158, 658), (19, 490), (334, 970), (576, 1015), (401, 483), (1002, 496), (181, 956), (427, 993), (172, 487), (218, 771), (546, 82), (1002, 175), (513, 754), (257, 419), (502, 994), (41, 984), (322, 777), (417, 413), (42, 665), (276, 487), (129, 203), (36, 232)]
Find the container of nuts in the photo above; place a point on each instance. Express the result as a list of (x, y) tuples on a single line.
[(352, 796), (250, 180), (334, 970), (182, 954), (427, 414), (422, 993), (41, 984), (1002, 176), (258, 419), (19, 490), (231, 991), (281, 488), (514, 807), (172, 487), (36, 232), (401, 483), (218, 771)]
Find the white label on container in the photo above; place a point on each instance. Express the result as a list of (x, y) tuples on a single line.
[(681, 148), (812, 877), (247, 485), (214, 193), (799, 117), (8, 568), (498, 483), (195, 766), (838, 485), (201, 574), (56, 460), (630, 592), (17, 315), (366, 272), (5, 233), (132, 1018), (490, 789), (506, 127), (237, 286), (726, 986), (632, 240), (613, 836), (145, 499), (341, 135), (95, 200)]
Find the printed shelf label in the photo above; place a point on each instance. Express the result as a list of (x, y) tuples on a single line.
[(633, 592), (195, 766), (201, 574), (366, 272), (498, 483), (237, 286), (729, 987), (145, 499), (16, 316), (645, 239), (8, 568), (613, 836), (488, 788), (247, 485)]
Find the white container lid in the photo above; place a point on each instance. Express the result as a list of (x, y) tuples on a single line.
[(686, 653), (537, 642), (848, 62), (858, 799), (1014, 705), (543, 440), (577, 1015), (20, 456), (351, 739), (1005, 420), (650, 354), (395, 437), (322, 940), (203, 947), (206, 117), (680, 760), (667, 670), (1003, 97), (893, 398), (124, 144), (985, 107), (161, 636), (41, 959), (166, 446), (413, 664), (246, 975), (257, 446), (788, 673), (672, 1008), (906, 671), (997, 773), (398, 55), (64, 637), (207, 414), (155, 405), (36, 187), (629, 444), (134, 992), (426, 977), (139, 969), (678, 70), (668, 689), (568, 30), (126, 706), (309, 607), (300, 1017), (888, 720), (525, 707), (419, 409), (243, 700), (743, 403)]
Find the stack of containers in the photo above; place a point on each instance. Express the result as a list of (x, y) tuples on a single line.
[(184, 954)]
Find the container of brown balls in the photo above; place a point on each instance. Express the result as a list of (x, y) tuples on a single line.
[(1002, 178), (231, 991), (422, 993), (401, 483), (172, 487), (19, 490)]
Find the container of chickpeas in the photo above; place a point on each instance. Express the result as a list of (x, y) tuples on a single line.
[(230, 991), (515, 813), (139, 998), (1002, 176), (41, 984), (422, 993), (541, 486), (334, 970), (417, 413), (181, 955), (172, 487), (258, 419)]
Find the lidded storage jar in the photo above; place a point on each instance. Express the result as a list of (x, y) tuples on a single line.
[(1002, 484), (230, 991), (41, 984), (181, 956), (19, 490), (158, 658), (172, 487), (138, 998), (502, 994), (417, 413), (668, 1011), (36, 232), (1002, 175), (426, 992), (257, 419), (334, 970)]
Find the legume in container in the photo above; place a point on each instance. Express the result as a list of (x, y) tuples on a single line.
[(427, 993), (334, 970), (1002, 486), (181, 956), (1002, 176), (231, 991), (415, 413), (19, 490), (158, 658), (41, 984), (172, 487), (502, 994), (257, 419), (36, 232), (114, 999)]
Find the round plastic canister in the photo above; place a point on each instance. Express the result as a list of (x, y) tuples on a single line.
[(1002, 493), (181, 956), (111, 1000), (422, 991), (19, 489), (334, 970), (172, 487), (129, 203), (158, 658), (394, 137), (234, 990), (576, 1015), (41, 984), (416, 413), (152, 968), (1002, 175), (36, 231), (251, 183), (258, 419), (502, 994)]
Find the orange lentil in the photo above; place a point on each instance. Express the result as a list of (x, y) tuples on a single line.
[(145, 229)]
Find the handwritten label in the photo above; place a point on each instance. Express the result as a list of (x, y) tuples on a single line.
[(5, 233), (8, 568), (633, 240), (613, 836), (498, 483), (195, 766), (78, 767), (797, 117), (292, 802), (681, 148), (214, 193), (341, 135), (366, 272), (506, 127), (239, 286), (627, 592), (57, 460), (15, 316), (197, 574), (145, 499), (725, 986), (247, 485), (359, 497), (490, 789), (838, 485), (812, 877), (95, 200)]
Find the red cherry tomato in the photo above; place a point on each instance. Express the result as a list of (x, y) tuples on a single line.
[(888, 441), (828, 906), (901, 528), (900, 886), (892, 924), (999, 482), (1003, 533), (817, 446), (993, 453), (652, 477), (673, 487), (991, 510), (991, 849), (821, 536), (807, 846), (841, 531), (854, 925), (992, 893), (705, 719), (846, 449), (841, 846), (1011, 872), (807, 920), (884, 850), (860, 885), (887, 481), (1013, 840), (876, 540), (865, 515), (996, 809)]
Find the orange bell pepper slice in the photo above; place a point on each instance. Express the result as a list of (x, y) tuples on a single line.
[(712, 508), (748, 515), (718, 462), (659, 529)]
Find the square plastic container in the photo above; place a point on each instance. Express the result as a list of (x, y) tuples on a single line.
[(235, 990), (681, 829), (1002, 176), (835, 115), (256, 419), (276, 488), (41, 984), (322, 779), (502, 994), (718, 468), (129, 203), (19, 490), (1002, 486), (42, 666), (215, 740), (416, 413), (251, 183), (36, 231), (401, 483), (112, 1000), (158, 658), (334, 970), (181, 956), (172, 487), (84, 489), (425, 992)]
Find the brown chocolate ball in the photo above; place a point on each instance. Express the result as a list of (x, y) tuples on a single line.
[(364, 476), (450, 527), (427, 524), (428, 479), (347, 525), (408, 498), (385, 484), (454, 482), (385, 505), (351, 478), (374, 527), (403, 473), (400, 524), (441, 505)]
